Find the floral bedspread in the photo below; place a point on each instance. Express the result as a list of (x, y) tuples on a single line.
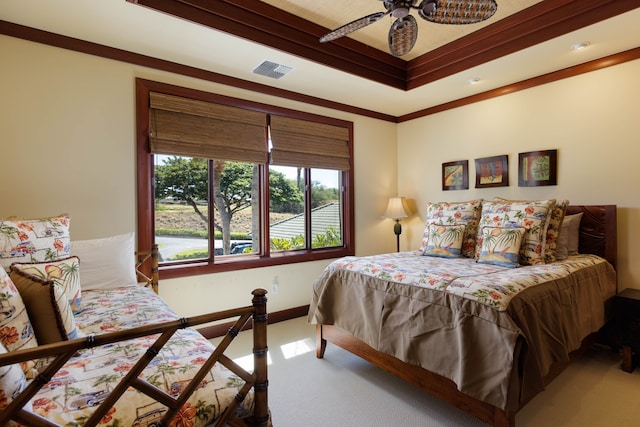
[(87, 378), (488, 284)]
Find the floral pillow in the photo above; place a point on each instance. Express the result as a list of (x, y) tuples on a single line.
[(554, 223), (445, 241), (16, 332), (48, 307), (501, 246), (34, 240), (12, 382), (556, 217), (65, 273), (455, 213), (530, 215)]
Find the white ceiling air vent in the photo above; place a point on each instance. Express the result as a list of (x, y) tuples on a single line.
[(271, 69)]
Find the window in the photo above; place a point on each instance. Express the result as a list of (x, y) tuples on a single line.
[(227, 184)]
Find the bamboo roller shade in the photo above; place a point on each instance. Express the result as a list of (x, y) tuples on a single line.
[(188, 127), (303, 143)]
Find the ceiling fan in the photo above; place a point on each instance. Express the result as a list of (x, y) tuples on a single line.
[(404, 30)]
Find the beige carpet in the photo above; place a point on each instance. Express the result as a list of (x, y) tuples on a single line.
[(342, 390)]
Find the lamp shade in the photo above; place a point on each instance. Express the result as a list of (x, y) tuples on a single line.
[(396, 208)]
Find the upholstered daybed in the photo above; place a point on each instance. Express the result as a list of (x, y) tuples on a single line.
[(105, 350)]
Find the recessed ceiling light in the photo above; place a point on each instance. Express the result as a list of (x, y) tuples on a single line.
[(474, 81), (580, 46)]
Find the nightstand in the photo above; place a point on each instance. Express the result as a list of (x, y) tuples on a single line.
[(627, 321)]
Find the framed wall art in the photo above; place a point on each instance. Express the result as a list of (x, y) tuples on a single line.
[(537, 168), (455, 175), (492, 171)]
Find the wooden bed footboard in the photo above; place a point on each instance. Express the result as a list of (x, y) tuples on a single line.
[(61, 352)]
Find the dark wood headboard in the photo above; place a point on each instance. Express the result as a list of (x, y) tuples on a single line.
[(598, 230)]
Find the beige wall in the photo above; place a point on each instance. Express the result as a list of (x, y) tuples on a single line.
[(593, 121), (67, 138)]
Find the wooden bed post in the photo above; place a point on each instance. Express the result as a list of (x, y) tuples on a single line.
[(321, 343), (155, 275), (261, 412), (147, 267)]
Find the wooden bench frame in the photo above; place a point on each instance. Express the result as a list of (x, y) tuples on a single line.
[(62, 351)]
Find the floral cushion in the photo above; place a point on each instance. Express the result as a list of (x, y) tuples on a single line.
[(12, 382), (47, 305), (445, 240), (88, 376), (556, 217), (530, 215), (554, 223), (16, 332), (501, 246), (33, 240), (455, 213), (65, 273)]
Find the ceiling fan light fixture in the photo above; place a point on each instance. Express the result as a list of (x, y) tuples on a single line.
[(427, 8), (400, 12), (404, 30)]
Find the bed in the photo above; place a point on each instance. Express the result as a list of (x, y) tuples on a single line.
[(476, 340), (130, 359)]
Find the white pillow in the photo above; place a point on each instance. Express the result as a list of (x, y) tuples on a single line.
[(106, 263)]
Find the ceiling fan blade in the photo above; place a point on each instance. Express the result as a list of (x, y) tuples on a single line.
[(353, 26), (403, 35), (457, 11)]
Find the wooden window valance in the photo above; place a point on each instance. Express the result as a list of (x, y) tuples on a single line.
[(303, 143), (188, 127)]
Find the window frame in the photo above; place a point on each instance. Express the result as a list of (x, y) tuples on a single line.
[(145, 197)]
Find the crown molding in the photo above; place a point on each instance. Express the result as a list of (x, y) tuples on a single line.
[(267, 25)]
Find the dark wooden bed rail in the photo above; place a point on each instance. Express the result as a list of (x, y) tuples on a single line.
[(63, 351)]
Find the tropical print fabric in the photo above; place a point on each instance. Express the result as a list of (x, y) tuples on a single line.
[(557, 212), (455, 213), (65, 273), (12, 382), (532, 216), (88, 377), (33, 240), (48, 308), (556, 217), (16, 332), (444, 240), (488, 284), (501, 246)]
